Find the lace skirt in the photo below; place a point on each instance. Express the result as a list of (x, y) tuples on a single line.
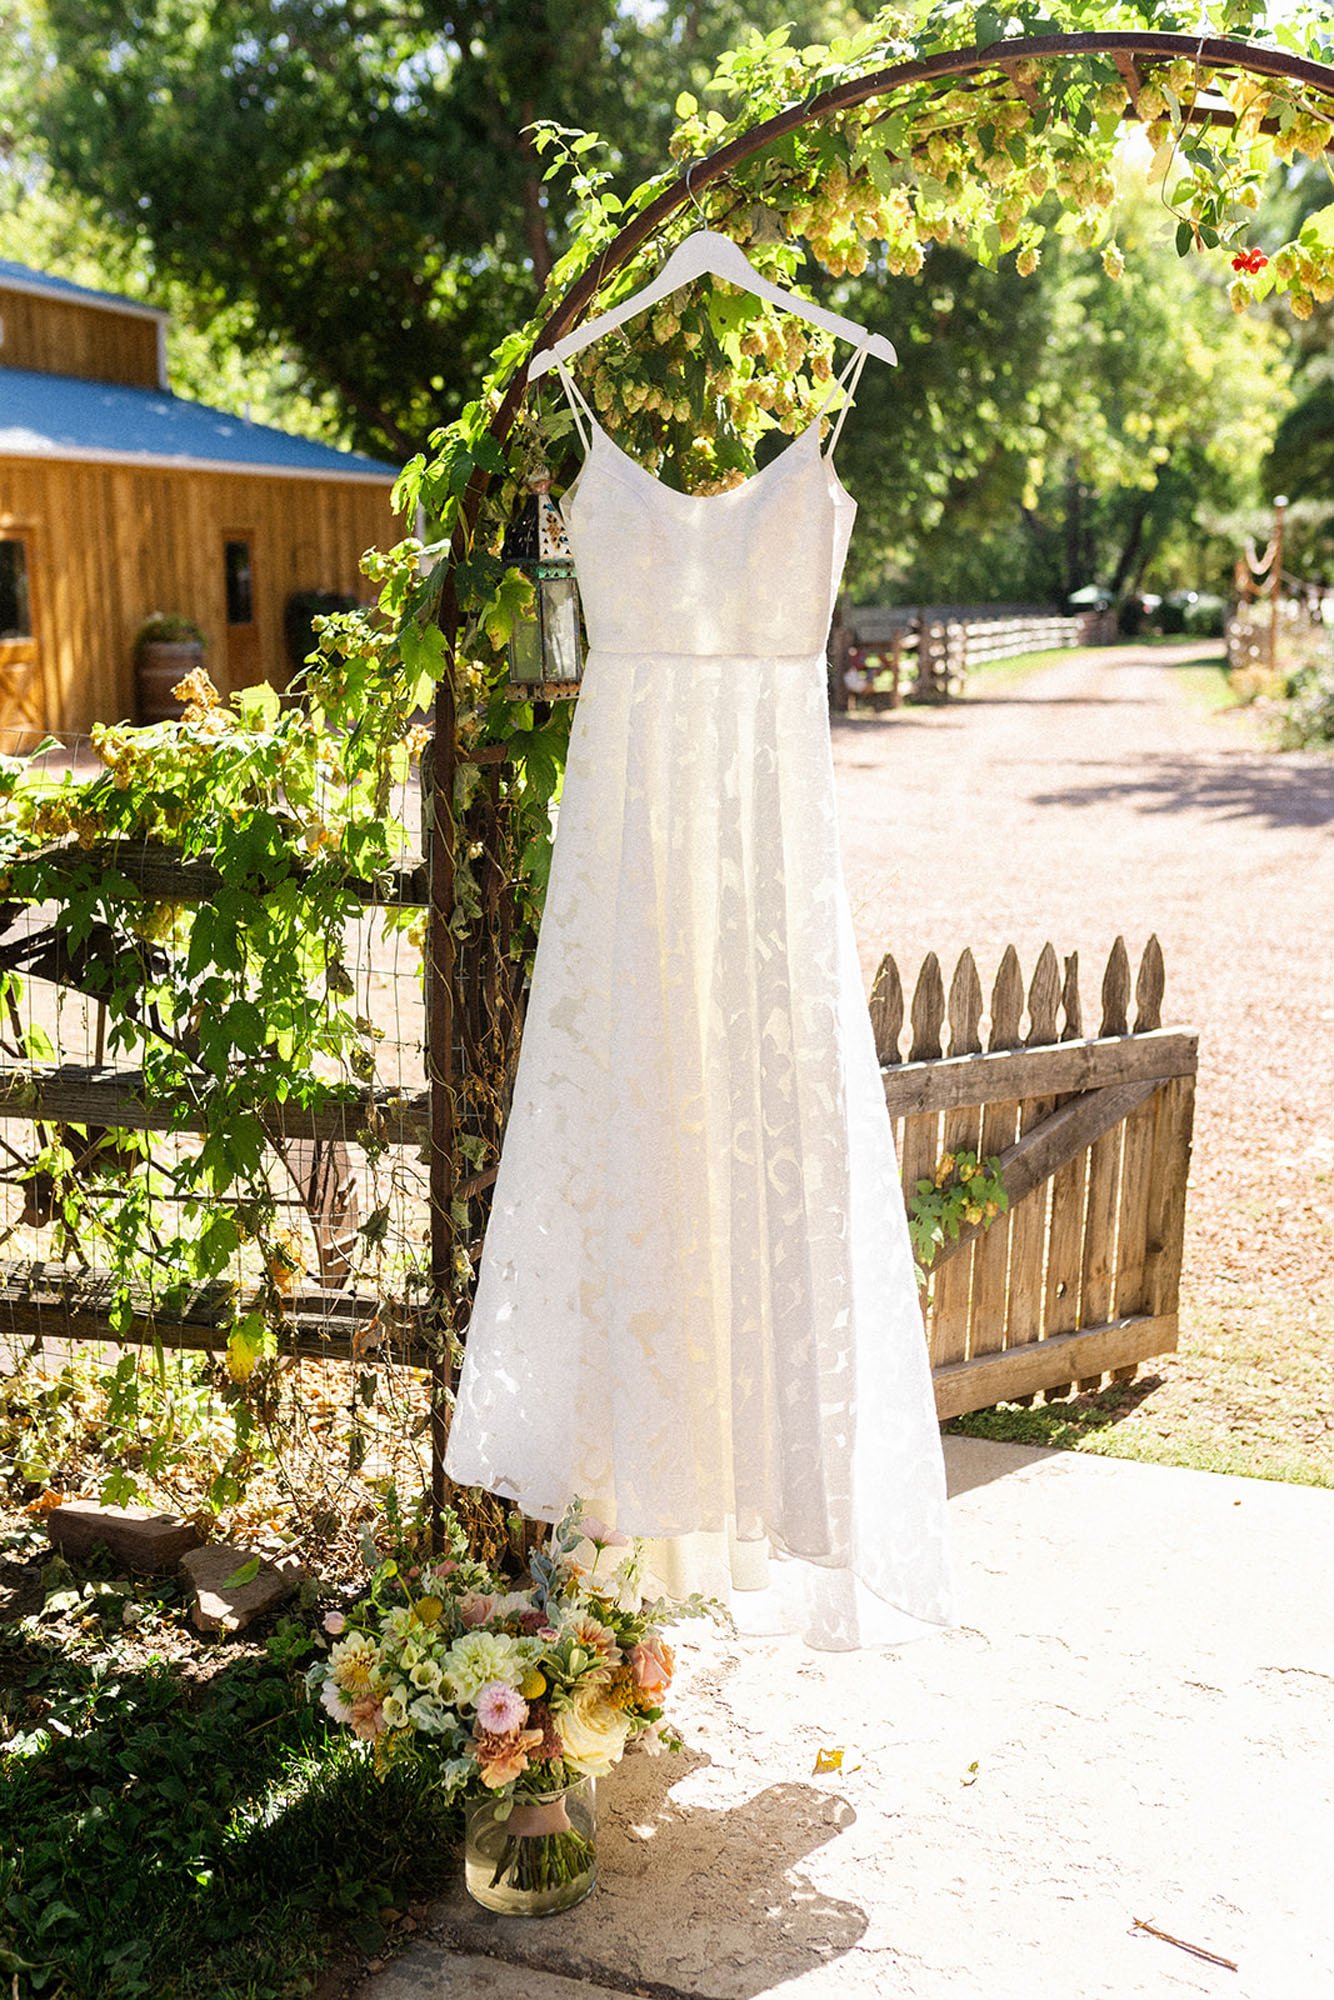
[(697, 1307)]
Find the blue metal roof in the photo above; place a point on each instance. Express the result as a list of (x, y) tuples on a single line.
[(64, 288), (62, 417)]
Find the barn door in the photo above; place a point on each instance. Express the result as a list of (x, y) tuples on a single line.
[(22, 703), (238, 568)]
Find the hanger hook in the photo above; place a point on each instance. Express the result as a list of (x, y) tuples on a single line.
[(693, 196)]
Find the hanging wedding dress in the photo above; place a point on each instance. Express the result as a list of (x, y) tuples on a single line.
[(697, 1306)]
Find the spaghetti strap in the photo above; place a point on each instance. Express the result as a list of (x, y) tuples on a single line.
[(847, 382), (578, 405)]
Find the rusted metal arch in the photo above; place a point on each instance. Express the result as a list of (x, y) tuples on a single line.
[(1209, 53)]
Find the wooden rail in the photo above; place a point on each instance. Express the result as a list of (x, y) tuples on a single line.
[(48, 1302), (162, 873), (879, 655), (72, 1094)]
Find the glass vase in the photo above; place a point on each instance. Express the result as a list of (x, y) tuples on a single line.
[(539, 1859)]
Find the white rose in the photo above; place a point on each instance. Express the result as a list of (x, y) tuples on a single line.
[(592, 1731)]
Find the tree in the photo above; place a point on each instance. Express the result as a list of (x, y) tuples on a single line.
[(1071, 427), (357, 183)]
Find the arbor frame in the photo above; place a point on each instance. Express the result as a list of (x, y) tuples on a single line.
[(445, 999)]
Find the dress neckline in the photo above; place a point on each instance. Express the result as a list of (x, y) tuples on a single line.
[(838, 491)]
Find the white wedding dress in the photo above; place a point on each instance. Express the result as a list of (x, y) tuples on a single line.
[(697, 1307)]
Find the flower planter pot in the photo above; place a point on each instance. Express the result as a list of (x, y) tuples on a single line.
[(159, 664), (540, 1859)]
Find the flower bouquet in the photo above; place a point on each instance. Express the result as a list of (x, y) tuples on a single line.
[(522, 1698)]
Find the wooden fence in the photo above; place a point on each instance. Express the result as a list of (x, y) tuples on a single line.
[(1081, 1278), (1078, 1280), (49, 1299), (876, 657)]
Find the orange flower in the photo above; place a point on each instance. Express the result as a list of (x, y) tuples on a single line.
[(502, 1759), (654, 1664)]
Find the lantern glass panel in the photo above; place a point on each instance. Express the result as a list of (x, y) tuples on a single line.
[(526, 650), (560, 629)]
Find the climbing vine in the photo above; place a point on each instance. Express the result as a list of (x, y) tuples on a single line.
[(824, 163), (871, 151)]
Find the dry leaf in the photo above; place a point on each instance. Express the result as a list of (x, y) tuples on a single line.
[(837, 1757)]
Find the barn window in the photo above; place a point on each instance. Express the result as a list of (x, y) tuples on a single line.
[(240, 583), (15, 612)]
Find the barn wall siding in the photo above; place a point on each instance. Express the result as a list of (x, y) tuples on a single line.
[(62, 337), (113, 543)]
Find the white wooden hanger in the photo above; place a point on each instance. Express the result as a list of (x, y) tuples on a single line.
[(720, 257)]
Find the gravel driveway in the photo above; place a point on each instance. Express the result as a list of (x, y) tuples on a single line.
[(1099, 796)]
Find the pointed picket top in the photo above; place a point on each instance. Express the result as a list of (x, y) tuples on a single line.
[(887, 1010), (1149, 988), (1116, 991), (1071, 1005), (965, 1007), (928, 1011), (1044, 996), (1007, 1002)]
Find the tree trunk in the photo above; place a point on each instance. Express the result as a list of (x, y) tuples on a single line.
[(534, 216), (1126, 565), (1074, 525)]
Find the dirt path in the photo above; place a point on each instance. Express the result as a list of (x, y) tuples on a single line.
[(1099, 796)]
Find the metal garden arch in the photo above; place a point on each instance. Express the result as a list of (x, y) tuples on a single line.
[(445, 998)]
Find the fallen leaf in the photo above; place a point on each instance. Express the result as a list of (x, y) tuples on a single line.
[(970, 1777), (837, 1757), (245, 1574)]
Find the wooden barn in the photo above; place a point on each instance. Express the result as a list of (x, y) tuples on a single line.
[(119, 499)]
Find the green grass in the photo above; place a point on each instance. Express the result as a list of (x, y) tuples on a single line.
[(1088, 1425), (1188, 1416), (1001, 673), (167, 1836), (1204, 680)]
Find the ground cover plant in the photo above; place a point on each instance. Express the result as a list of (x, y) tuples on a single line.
[(177, 1820)]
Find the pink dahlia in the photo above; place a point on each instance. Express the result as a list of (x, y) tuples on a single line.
[(500, 1709)]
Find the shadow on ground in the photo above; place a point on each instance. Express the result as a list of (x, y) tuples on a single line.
[(1277, 791), (668, 1868), (1058, 1425)]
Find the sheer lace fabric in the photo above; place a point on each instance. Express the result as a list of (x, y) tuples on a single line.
[(697, 1306)]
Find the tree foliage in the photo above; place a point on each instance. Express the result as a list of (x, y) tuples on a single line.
[(1045, 433), (357, 183)]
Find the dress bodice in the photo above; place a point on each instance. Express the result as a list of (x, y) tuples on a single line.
[(752, 572)]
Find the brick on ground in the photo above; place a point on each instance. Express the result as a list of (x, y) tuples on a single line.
[(144, 1540), (220, 1607)]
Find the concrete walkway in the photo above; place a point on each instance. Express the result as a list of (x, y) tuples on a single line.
[(1134, 1721)]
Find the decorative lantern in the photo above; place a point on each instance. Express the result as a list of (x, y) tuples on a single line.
[(546, 645)]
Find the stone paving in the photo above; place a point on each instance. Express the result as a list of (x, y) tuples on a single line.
[(1135, 1720)]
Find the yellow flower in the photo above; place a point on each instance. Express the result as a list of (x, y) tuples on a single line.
[(532, 1685)]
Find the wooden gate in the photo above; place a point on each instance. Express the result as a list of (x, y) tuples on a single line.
[(1081, 1278)]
